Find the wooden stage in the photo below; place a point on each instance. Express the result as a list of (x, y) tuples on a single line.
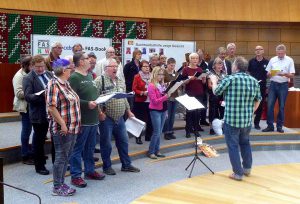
[(270, 184)]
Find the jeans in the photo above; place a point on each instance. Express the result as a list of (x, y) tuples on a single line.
[(158, 120), (276, 91), (238, 138), (25, 135), (109, 127), (40, 130), (168, 127), (84, 147), (63, 149)]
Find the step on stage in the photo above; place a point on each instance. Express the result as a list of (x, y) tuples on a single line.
[(276, 184)]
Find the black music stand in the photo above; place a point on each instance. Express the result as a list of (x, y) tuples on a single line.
[(196, 157)]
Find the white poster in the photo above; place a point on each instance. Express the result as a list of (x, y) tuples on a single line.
[(175, 49), (41, 44)]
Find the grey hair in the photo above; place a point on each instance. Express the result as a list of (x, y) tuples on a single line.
[(229, 45), (151, 55), (280, 47), (55, 44), (216, 61), (107, 62), (241, 63), (221, 49), (58, 71), (193, 54)]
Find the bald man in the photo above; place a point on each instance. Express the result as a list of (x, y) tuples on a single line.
[(257, 69)]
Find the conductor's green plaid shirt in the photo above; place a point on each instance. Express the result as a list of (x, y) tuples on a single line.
[(241, 91)]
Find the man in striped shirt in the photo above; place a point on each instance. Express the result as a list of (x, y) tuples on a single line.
[(242, 97)]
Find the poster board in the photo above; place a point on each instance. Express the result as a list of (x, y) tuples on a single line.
[(175, 49), (41, 44)]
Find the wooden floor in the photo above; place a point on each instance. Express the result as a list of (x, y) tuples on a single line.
[(270, 184)]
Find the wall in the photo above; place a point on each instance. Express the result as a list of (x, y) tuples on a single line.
[(210, 35), (229, 10)]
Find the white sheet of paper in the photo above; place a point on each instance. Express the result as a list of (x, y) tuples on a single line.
[(104, 98), (175, 87), (135, 126), (190, 103), (39, 93)]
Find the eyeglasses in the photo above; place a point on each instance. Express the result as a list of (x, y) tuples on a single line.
[(259, 49), (84, 58), (59, 48), (112, 66), (145, 66), (111, 52)]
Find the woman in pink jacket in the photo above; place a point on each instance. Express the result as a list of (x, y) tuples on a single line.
[(158, 109)]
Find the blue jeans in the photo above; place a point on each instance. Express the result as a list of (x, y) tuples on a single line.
[(25, 135), (63, 149), (158, 120), (109, 127), (238, 138), (276, 91), (84, 147), (168, 127)]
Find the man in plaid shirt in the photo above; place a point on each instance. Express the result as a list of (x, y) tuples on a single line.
[(111, 116), (242, 97)]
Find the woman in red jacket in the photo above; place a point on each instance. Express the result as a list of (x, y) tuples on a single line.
[(141, 102)]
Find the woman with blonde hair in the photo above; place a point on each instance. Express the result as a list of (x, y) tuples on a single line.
[(158, 109)]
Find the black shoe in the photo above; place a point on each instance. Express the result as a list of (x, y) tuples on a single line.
[(160, 155), (96, 159), (172, 136), (167, 136), (130, 169), (27, 160), (138, 140), (204, 123), (147, 138), (42, 171), (268, 129), (257, 127), (110, 171), (188, 135), (200, 129), (97, 150), (212, 132), (280, 130)]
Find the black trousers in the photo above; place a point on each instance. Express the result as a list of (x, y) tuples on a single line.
[(141, 111), (215, 110), (259, 110), (40, 130), (193, 118)]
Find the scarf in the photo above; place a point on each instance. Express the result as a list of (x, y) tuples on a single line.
[(145, 77)]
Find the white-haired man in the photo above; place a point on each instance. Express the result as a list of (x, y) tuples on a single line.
[(231, 49), (109, 54), (280, 68), (111, 116), (56, 50)]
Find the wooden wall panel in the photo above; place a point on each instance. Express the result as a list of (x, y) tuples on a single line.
[(7, 72), (220, 10)]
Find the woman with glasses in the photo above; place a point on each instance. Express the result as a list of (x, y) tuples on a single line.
[(141, 101), (158, 110), (63, 106)]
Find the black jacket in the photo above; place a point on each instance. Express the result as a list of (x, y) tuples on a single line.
[(37, 104), (130, 70), (228, 65)]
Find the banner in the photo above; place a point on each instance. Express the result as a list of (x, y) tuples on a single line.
[(174, 49), (41, 44)]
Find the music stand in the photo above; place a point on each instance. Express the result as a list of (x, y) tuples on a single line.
[(191, 103)]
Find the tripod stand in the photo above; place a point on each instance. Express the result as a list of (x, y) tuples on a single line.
[(196, 157)]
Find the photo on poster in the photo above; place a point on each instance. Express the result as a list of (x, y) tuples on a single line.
[(144, 51), (161, 51), (128, 51), (152, 50)]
